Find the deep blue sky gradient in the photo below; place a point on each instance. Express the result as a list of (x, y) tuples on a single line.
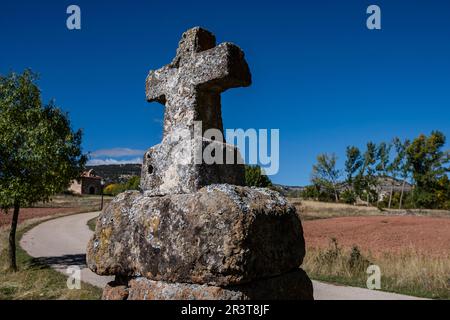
[(319, 75)]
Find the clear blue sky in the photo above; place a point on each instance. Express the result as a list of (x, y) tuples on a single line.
[(319, 75)]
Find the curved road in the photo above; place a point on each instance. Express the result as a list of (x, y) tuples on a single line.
[(62, 242)]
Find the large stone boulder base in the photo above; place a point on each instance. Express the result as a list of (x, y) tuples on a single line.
[(222, 235), (294, 285)]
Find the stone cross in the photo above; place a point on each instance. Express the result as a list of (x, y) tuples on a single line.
[(191, 85), (190, 88)]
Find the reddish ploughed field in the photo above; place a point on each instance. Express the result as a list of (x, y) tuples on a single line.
[(31, 213), (380, 234)]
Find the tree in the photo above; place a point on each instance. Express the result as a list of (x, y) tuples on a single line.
[(133, 183), (366, 180), (114, 189), (428, 165), (40, 154), (383, 164), (255, 177), (400, 166), (325, 173), (352, 163)]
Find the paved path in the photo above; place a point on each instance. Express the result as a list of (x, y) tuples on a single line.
[(325, 291), (62, 242)]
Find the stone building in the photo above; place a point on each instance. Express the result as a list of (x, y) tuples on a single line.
[(88, 183)]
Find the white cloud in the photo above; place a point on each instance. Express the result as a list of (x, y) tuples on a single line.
[(117, 152), (98, 162)]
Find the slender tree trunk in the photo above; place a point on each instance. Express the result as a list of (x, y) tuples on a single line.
[(367, 198), (336, 195), (12, 238), (401, 194), (390, 196)]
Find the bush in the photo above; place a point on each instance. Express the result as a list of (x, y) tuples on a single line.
[(310, 192), (348, 197), (255, 177), (356, 262), (133, 183), (116, 188), (113, 189)]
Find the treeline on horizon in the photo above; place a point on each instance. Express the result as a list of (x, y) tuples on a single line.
[(396, 174)]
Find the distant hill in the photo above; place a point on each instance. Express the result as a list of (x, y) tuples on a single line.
[(117, 173), (289, 191), (384, 187)]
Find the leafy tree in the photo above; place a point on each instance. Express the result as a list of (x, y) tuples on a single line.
[(133, 183), (428, 165), (311, 192), (255, 177), (383, 164), (39, 153), (383, 157), (114, 189), (348, 196), (366, 182), (400, 166), (352, 164), (325, 175)]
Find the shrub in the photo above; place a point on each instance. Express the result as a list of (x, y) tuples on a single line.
[(113, 189), (348, 197), (255, 177), (356, 262)]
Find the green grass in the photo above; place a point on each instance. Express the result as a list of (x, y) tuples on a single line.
[(407, 272), (33, 281)]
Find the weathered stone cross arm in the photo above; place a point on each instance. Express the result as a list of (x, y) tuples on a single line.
[(199, 65)]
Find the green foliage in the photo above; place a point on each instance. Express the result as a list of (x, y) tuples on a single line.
[(116, 188), (366, 181), (133, 183), (40, 154), (325, 175), (311, 192), (255, 177), (383, 157), (113, 189), (422, 161), (429, 170), (352, 163), (348, 196)]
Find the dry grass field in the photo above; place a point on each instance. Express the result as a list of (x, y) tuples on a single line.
[(310, 210), (60, 204), (411, 247)]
